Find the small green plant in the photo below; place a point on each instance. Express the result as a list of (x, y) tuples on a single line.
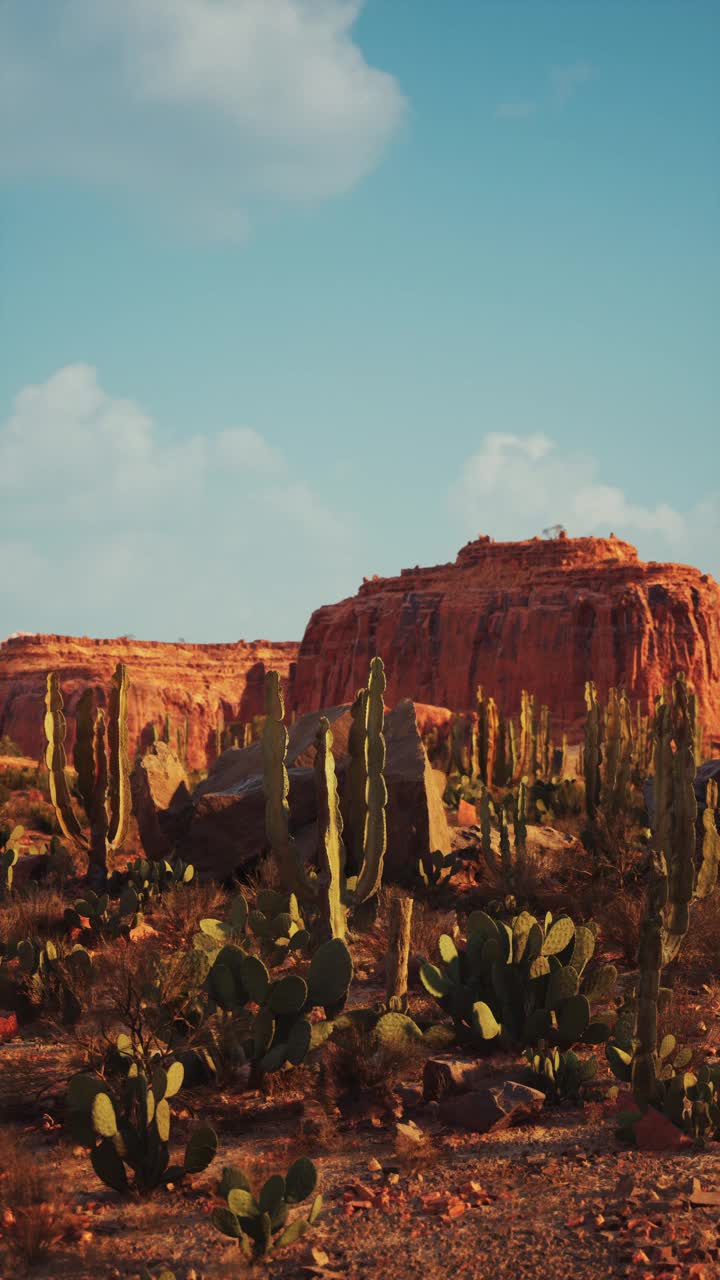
[(38, 978), (129, 1132), (149, 879), (260, 1224), (94, 914), (437, 868), (561, 1075)]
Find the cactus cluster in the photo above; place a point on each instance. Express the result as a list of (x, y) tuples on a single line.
[(561, 1075), (330, 894), (437, 868), (149, 880), (101, 762), (273, 1017), (259, 1222), (46, 978), (129, 1132), (521, 983)]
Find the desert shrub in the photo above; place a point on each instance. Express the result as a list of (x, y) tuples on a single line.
[(8, 747)]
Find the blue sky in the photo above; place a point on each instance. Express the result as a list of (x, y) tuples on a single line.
[(294, 291)]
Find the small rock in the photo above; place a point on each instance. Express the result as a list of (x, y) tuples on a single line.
[(483, 1109)]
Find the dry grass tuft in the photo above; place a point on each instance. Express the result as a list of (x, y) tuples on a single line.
[(36, 911), (177, 913), (34, 1218)]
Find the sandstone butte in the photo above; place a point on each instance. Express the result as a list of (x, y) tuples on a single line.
[(545, 615), (199, 681)]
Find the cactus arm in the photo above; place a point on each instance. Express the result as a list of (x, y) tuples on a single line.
[(375, 839), (708, 873), (357, 775), (681, 865), (55, 729), (330, 843), (277, 789), (592, 755), (118, 764), (493, 726), (98, 815)]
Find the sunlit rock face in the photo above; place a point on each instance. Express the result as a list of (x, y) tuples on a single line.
[(545, 615)]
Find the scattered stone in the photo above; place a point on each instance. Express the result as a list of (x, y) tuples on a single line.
[(444, 1076)]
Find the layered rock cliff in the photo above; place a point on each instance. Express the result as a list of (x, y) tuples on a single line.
[(203, 682), (545, 615)]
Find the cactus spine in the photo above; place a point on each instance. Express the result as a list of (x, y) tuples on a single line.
[(330, 842), (101, 762)]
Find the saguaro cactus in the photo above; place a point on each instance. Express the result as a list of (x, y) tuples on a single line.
[(592, 754), (330, 842), (357, 776), (277, 789), (675, 810), (618, 753), (375, 833), (650, 954), (101, 761)]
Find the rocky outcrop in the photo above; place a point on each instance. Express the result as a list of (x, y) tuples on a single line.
[(546, 615), (199, 681), (225, 822)]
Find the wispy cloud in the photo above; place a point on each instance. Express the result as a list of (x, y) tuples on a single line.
[(565, 81), (108, 525), (515, 110), (514, 486), (208, 109)]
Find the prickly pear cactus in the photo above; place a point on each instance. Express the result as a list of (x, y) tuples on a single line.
[(524, 983), (259, 1223)]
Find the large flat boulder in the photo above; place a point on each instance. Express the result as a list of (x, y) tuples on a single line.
[(227, 826), (161, 800), (227, 829)]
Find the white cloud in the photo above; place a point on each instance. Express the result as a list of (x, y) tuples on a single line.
[(515, 110), (515, 486), (108, 526), (565, 81), (209, 107)]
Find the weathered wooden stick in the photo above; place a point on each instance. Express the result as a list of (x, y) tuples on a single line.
[(398, 953)]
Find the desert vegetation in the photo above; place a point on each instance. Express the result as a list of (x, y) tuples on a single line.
[(309, 1068)]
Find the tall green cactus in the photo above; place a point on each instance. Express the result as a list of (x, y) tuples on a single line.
[(708, 873), (592, 753), (103, 774), (618, 753), (375, 833), (676, 809), (277, 789), (357, 776), (650, 955), (330, 842)]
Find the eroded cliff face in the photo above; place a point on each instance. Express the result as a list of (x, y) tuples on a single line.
[(183, 680), (545, 615)]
